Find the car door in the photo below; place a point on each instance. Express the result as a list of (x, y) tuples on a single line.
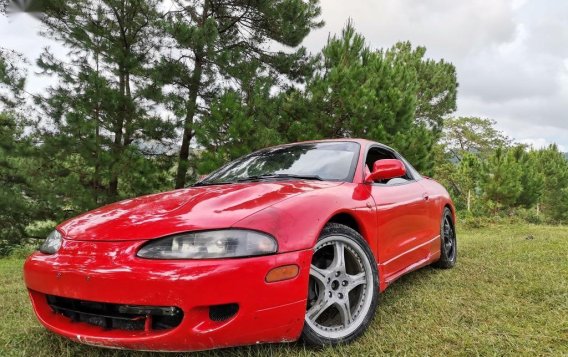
[(436, 205), (401, 206), (433, 203)]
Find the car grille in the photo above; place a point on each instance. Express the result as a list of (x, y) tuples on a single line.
[(117, 316)]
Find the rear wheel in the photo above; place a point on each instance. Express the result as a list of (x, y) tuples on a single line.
[(343, 288), (448, 249)]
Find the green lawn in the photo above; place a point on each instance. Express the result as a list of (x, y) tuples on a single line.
[(508, 295)]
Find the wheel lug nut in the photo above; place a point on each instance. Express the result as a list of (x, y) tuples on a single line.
[(330, 294), (340, 295), (337, 273), (344, 283)]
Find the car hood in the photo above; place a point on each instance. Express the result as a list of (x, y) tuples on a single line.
[(195, 208)]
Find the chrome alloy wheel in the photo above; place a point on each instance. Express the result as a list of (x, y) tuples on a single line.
[(339, 294)]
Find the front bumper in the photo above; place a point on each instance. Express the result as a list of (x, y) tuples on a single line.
[(109, 272)]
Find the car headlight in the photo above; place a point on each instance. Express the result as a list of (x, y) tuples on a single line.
[(228, 243), (52, 243)]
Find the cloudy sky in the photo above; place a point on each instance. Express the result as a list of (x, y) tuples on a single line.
[(511, 55)]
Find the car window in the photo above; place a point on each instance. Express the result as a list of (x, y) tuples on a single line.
[(415, 174), (333, 161)]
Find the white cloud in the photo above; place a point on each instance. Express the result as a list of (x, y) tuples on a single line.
[(20, 32), (539, 143), (511, 55), (453, 29)]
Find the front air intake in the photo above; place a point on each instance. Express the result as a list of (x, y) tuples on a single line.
[(223, 312), (117, 316)]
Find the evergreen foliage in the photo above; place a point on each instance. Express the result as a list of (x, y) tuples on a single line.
[(394, 96), (552, 164), (98, 115), (149, 96), (478, 164), (501, 180), (16, 207), (218, 45)]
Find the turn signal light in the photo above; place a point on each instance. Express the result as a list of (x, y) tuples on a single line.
[(285, 272)]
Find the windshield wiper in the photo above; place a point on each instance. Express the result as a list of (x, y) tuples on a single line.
[(205, 183), (260, 177), (280, 176)]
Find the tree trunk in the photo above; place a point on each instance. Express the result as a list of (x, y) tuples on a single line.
[(117, 143), (191, 108), (191, 105), (128, 129), (97, 181)]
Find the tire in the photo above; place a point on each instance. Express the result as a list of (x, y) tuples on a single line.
[(342, 293), (448, 242)]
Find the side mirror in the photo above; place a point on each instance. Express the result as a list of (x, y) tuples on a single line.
[(386, 169)]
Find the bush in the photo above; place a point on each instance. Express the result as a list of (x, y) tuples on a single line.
[(530, 216), (23, 251), (40, 229), (516, 216), (18, 250)]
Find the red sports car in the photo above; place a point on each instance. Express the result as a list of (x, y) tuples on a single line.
[(294, 241)]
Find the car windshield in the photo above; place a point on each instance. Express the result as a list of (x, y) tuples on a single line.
[(330, 161)]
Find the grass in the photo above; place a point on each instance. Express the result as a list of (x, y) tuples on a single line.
[(508, 296)]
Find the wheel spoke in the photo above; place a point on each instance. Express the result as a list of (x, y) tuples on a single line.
[(448, 236), (339, 256), (315, 311), (338, 297), (344, 310), (356, 280), (319, 274), (448, 231)]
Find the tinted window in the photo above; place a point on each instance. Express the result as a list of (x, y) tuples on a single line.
[(411, 169), (332, 161)]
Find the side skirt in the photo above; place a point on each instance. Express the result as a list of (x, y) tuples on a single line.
[(434, 254)]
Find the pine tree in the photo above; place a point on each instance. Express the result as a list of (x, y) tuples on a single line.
[(553, 165), (212, 39), (501, 181), (12, 79), (532, 180), (100, 115), (382, 95), (17, 208), (238, 123)]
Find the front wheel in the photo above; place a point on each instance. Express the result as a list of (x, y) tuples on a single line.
[(343, 288)]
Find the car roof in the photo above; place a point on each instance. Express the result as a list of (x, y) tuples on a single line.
[(363, 142)]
